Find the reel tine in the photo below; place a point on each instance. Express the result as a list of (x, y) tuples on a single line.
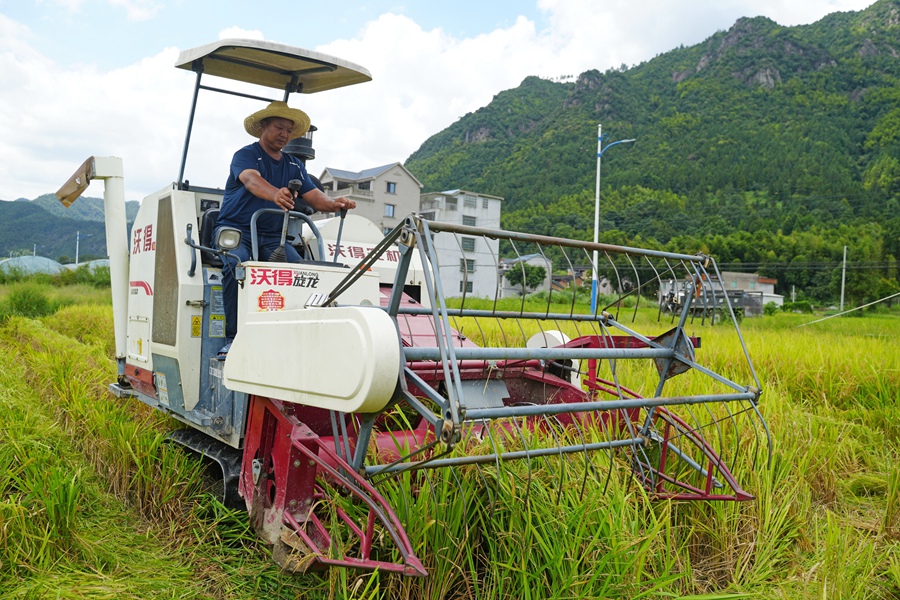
[(637, 278), (588, 463), (459, 485), (487, 486), (527, 450), (562, 458), (620, 285), (496, 450), (571, 286)]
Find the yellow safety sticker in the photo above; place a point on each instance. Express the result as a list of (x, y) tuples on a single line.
[(196, 325), (216, 326)]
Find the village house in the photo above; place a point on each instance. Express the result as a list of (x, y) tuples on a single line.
[(385, 195)]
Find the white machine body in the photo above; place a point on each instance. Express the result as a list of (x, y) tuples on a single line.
[(339, 358), (167, 284)]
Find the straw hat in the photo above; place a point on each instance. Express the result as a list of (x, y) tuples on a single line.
[(278, 109)]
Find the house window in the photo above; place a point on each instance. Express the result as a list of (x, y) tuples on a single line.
[(468, 244), (733, 284), (364, 185), (391, 187), (387, 230), (389, 210), (469, 201), (470, 221), (752, 285), (467, 265), (451, 204), (484, 203), (467, 285)]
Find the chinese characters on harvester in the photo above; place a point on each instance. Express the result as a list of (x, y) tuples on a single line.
[(360, 253), (262, 276), (310, 279), (143, 240)]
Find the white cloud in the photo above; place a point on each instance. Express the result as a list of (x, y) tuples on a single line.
[(799, 12), (423, 81), (62, 116)]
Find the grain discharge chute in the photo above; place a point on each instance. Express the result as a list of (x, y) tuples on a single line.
[(355, 367)]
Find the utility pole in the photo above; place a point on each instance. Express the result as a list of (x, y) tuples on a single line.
[(793, 293), (77, 239), (843, 278), (600, 151)]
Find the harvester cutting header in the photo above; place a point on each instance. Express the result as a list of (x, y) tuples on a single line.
[(347, 372)]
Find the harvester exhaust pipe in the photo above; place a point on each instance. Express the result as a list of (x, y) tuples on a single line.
[(279, 254)]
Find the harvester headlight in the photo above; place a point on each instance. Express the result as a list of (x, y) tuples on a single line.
[(228, 238)]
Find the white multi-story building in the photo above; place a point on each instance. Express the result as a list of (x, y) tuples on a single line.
[(753, 283), (385, 195), (467, 264)]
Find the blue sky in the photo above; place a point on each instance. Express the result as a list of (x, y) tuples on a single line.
[(96, 77)]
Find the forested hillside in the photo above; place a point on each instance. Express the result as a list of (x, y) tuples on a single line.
[(771, 147), (43, 226)]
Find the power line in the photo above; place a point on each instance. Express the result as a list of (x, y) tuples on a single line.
[(849, 311)]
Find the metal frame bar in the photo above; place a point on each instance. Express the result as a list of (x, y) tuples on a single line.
[(254, 237), (530, 410), (198, 68), (504, 456)]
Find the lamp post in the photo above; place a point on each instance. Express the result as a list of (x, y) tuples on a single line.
[(600, 151)]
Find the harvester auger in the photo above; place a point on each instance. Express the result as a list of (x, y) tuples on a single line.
[(423, 381)]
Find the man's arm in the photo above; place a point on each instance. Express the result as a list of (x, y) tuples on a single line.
[(259, 187), (284, 198), (322, 203)]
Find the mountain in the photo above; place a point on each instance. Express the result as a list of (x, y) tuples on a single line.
[(786, 110), (54, 229), (747, 143)]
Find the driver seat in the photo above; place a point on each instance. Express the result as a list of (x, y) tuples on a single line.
[(207, 239)]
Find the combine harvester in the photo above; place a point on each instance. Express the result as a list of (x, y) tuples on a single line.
[(349, 371)]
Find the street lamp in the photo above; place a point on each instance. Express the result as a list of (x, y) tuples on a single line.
[(600, 151)]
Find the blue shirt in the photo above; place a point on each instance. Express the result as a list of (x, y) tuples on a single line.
[(239, 204)]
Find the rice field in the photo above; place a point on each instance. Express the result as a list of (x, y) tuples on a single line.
[(94, 504)]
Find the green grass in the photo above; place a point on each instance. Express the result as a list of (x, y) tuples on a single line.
[(93, 505)]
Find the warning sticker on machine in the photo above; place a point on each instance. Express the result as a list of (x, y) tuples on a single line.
[(216, 326), (196, 325), (271, 300), (162, 390), (216, 305)]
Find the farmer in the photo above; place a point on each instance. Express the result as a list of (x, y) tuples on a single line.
[(259, 177)]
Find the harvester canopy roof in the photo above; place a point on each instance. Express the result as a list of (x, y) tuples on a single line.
[(273, 65)]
